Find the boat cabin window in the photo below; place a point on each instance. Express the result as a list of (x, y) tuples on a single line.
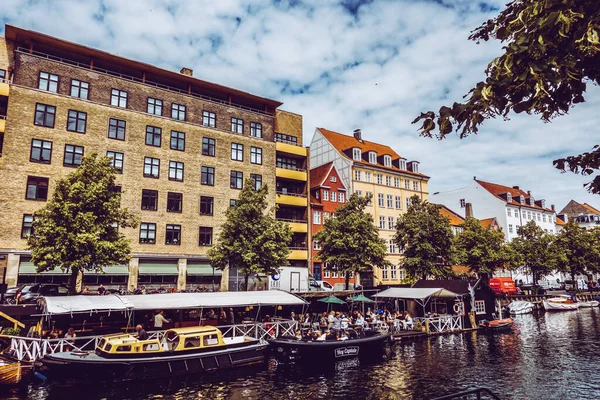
[(102, 343), (124, 348), (108, 347), (210, 340), (191, 342), (151, 347)]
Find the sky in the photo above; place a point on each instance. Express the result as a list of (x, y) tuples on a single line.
[(342, 65)]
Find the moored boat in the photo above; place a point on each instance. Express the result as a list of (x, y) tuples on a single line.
[(320, 351), (520, 307), (497, 324), (588, 304), (181, 351), (561, 303)]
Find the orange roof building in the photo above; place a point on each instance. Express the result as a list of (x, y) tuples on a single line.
[(584, 214)]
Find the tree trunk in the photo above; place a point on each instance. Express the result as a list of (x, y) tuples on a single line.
[(573, 280), (347, 279), (73, 281), (246, 276)]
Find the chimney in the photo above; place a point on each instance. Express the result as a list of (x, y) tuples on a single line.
[(468, 210), (516, 187), (552, 207), (187, 71), (529, 193), (474, 178), (358, 135)]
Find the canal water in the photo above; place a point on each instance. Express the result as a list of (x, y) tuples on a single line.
[(547, 356)]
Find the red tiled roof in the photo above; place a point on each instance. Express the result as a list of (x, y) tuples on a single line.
[(559, 221), (486, 223), (344, 142), (591, 209), (319, 174), (498, 190), (455, 219), (315, 202)]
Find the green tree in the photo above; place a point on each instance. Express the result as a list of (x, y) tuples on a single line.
[(551, 50), (250, 239), (536, 250), (578, 250), (426, 237), (79, 228), (350, 242), (482, 249)]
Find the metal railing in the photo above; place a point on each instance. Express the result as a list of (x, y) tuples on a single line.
[(137, 80), (291, 194), (32, 349), (468, 394), (280, 140), (298, 221), (289, 167)]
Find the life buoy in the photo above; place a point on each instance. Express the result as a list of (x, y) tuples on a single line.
[(275, 277), (457, 308)]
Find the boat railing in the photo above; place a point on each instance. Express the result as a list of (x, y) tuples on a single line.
[(443, 323), (477, 393), (31, 349)]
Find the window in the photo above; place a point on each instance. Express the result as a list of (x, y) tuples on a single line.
[(510, 228), (76, 121), (539, 217), (237, 125), (48, 82), (207, 205), (178, 112), (208, 146), (333, 179), (479, 306), (522, 199), (384, 273), (80, 89), (326, 195), (528, 214), (44, 115), (154, 106), (390, 201), (317, 217), (207, 176), (381, 222), (116, 129), (27, 226), (380, 200), (415, 186), (388, 180), (37, 188), (73, 155), (407, 203), (398, 202), (508, 197), (394, 272), (236, 180), (177, 141), (151, 167), (333, 196), (406, 184), (282, 138), (359, 193), (173, 234), (390, 223), (387, 161), (149, 199), (255, 129), (372, 157), (334, 274), (340, 197), (153, 136), (396, 182), (357, 176), (379, 179), (392, 246), (524, 214), (356, 155), (367, 177), (325, 216), (509, 212), (232, 202), (176, 171), (370, 196), (41, 151), (237, 152), (116, 159), (255, 155), (257, 180), (147, 233), (463, 203), (174, 202), (326, 274), (118, 98), (205, 236), (544, 218), (286, 163), (2, 74), (316, 245)]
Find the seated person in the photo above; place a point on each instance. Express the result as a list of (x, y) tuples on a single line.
[(308, 335), (320, 336)]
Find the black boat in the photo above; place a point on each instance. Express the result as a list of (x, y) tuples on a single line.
[(181, 351), (292, 349)]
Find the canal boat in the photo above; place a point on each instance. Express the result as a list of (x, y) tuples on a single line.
[(497, 325), (564, 302), (588, 304), (520, 307), (122, 357), (291, 349)]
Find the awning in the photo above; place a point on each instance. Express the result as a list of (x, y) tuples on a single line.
[(83, 304), (203, 269), (158, 269), (28, 268), (415, 293)]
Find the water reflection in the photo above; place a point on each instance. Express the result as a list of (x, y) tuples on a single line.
[(548, 356)]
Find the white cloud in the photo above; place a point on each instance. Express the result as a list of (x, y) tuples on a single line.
[(376, 69)]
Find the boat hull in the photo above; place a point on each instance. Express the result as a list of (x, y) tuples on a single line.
[(520, 307), (498, 325), (294, 350), (588, 304), (551, 306), (72, 367)]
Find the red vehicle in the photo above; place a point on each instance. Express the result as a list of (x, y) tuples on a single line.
[(503, 285)]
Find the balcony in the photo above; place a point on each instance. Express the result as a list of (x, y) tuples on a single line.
[(4, 87), (294, 174), (290, 199), (291, 148), (298, 253), (298, 226)]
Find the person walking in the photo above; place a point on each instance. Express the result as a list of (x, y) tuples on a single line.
[(159, 320)]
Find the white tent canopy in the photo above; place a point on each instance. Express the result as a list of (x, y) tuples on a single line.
[(415, 293), (82, 304)]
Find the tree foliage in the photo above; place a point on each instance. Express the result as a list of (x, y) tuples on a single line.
[(482, 249), (250, 239), (537, 250), (79, 228), (426, 237), (551, 49), (579, 249), (350, 242)]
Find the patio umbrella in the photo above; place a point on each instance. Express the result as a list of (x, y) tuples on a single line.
[(361, 298), (331, 300)]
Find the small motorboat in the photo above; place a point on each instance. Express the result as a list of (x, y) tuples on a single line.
[(520, 307), (588, 304), (292, 349), (564, 302), (122, 357), (497, 324)]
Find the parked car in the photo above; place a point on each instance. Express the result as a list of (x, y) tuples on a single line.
[(504, 286), (550, 284), (531, 289), (29, 293)]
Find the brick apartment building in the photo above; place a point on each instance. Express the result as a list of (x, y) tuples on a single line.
[(183, 148)]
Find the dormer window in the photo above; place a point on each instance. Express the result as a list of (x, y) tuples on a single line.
[(522, 199), (508, 197), (372, 157), (356, 155), (531, 201), (402, 164), (543, 203), (387, 161), (415, 167)]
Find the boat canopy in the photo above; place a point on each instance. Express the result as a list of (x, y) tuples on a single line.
[(89, 304), (415, 293)]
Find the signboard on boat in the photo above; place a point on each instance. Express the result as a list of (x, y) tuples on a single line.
[(346, 351)]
